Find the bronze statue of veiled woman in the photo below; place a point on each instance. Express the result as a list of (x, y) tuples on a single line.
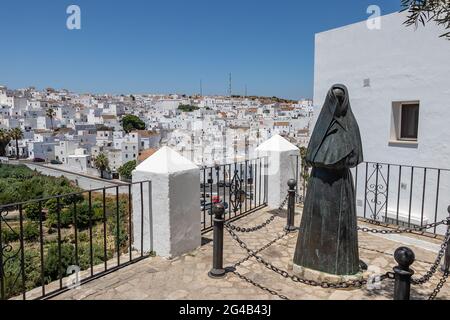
[(328, 239)]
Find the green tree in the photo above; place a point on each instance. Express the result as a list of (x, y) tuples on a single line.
[(50, 113), (426, 11), (84, 215), (101, 162), (33, 211), (131, 122), (5, 138), (16, 134), (126, 170), (187, 108)]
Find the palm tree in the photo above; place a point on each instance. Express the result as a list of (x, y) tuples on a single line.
[(101, 162), (5, 138), (50, 113), (16, 134)]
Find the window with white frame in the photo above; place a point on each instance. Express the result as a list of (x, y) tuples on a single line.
[(405, 122)]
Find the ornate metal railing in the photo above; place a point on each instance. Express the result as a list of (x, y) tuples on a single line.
[(53, 244), (240, 186), (395, 194)]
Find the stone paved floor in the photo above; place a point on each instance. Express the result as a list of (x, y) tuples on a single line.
[(186, 277)]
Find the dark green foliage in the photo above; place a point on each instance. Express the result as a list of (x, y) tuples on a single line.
[(67, 215), (31, 231), (32, 211), (426, 11), (304, 166), (20, 172), (9, 235), (121, 235), (20, 184), (131, 122), (13, 274), (187, 108), (85, 256), (126, 170), (52, 262)]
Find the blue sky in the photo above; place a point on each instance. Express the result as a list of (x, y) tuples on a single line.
[(167, 46)]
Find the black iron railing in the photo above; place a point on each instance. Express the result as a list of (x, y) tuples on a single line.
[(53, 244), (396, 194), (241, 187)]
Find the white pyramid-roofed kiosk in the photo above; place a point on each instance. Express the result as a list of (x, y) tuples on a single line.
[(277, 143), (282, 161), (166, 160), (171, 210)]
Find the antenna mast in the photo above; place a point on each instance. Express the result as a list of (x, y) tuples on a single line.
[(229, 86)]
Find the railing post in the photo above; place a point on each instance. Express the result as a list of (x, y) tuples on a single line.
[(405, 258), (291, 205), (446, 265), (217, 270)]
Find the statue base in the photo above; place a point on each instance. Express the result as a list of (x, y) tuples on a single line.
[(319, 276)]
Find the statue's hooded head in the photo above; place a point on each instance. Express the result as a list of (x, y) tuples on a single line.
[(343, 141)]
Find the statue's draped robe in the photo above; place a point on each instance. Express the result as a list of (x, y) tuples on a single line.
[(328, 239)]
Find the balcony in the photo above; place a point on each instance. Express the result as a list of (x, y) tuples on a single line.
[(152, 239)]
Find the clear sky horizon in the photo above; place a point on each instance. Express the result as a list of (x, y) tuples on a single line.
[(147, 46)]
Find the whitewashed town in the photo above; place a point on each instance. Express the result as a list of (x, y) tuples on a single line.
[(69, 130), (151, 188)]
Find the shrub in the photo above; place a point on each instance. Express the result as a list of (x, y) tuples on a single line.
[(32, 211), (83, 237), (31, 231), (13, 274), (84, 255), (126, 170), (18, 183), (67, 215), (51, 261), (9, 235), (122, 237)]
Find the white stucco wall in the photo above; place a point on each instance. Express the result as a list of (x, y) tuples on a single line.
[(281, 158), (402, 65), (171, 217)]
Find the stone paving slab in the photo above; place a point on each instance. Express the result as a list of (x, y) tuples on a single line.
[(186, 277)]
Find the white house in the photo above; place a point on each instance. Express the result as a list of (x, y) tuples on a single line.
[(398, 80), (80, 161)]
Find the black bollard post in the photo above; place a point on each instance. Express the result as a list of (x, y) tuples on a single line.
[(446, 265), (217, 270), (405, 258), (291, 206)]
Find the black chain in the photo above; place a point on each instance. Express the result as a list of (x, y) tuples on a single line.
[(261, 226), (237, 264), (436, 263), (283, 204), (272, 292), (405, 230), (252, 229), (440, 285), (242, 277), (285, 274), (391, 254)]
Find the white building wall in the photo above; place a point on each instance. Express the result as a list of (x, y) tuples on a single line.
[(402, 65)]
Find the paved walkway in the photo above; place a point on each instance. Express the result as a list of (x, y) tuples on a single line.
[(186, 277)]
